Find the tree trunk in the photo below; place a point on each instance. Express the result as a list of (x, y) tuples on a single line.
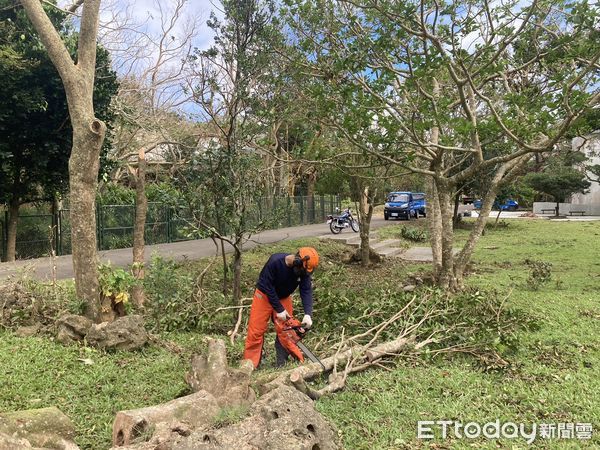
[(465, 254), (507, 172), (557, 209), (11, 228), (88, 136), (237, 275), (310, 206), (83, 177), (498, 216), (141, 211), (434, 210), (434, 215), (225, 269), (445, 276), (455, 217), (364, 215), (195, 410)]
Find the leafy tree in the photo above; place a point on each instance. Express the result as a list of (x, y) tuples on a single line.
[(560, 178), (228, 80), (34, 117), (450, 90)]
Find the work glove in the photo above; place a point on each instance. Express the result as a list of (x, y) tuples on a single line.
[(306, 321), (283, 315)]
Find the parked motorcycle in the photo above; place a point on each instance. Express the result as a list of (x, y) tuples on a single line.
[(345, 220)]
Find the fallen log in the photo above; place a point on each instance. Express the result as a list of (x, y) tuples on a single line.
[(180, 415), (365, 357)]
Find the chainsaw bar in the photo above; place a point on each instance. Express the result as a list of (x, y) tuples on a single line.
[(310, 355)]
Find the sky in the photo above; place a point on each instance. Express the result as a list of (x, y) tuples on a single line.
[(133, 42), (148, 11), (137, 17)]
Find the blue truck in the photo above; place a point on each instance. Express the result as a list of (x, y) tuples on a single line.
[(406, 205), (508, 205)]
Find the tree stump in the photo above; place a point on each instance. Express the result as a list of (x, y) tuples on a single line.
[(211, 373)]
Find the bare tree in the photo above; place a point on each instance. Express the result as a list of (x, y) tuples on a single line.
[(148, 103)]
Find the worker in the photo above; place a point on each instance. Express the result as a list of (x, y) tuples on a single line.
[(279, 278)]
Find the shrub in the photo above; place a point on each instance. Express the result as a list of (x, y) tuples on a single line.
[(414, 234), (168, 289), (540, 273), (175, 302)]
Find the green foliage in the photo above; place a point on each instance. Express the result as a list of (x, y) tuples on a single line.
[(115, 194), (559, 183), (27, 301), (177, 303), (540, 273), (414, 234), (115, 282), (34, 118), (169, 290)]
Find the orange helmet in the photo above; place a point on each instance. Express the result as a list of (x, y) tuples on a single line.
[(309, 258)]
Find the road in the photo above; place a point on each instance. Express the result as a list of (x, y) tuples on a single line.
[(41, 268)]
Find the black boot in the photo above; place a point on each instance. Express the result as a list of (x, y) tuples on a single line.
[(281, 354)]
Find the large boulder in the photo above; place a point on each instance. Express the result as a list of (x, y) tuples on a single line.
[(8, 442), (283, 419), (125, 333), (46, 428), (72, 328)]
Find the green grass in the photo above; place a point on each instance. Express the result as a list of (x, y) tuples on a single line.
[(554, 376), (38, 373)]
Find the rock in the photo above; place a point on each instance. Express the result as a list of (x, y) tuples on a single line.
[(125, 333), (28, 331), (409, 288), (283, 419), (72, 328), (46, 428), (13, 443)]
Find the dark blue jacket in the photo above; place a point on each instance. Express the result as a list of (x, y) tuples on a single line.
[(278, 281)]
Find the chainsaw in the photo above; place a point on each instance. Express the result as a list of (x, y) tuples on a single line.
[(290, 333)]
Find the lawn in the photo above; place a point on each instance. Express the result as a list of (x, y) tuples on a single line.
[(552, 376)]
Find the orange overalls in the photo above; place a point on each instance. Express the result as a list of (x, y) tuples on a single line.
[(260, 313)]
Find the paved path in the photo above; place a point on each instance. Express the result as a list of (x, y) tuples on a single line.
[(41, 268), (519, 215)]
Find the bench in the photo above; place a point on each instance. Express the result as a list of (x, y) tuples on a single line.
[(544, 211), (581, 213)]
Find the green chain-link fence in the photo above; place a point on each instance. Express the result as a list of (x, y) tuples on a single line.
[(39, 231)]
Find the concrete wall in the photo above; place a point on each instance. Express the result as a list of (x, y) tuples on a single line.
[(589, 202), (591, 209), (590, 145)]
